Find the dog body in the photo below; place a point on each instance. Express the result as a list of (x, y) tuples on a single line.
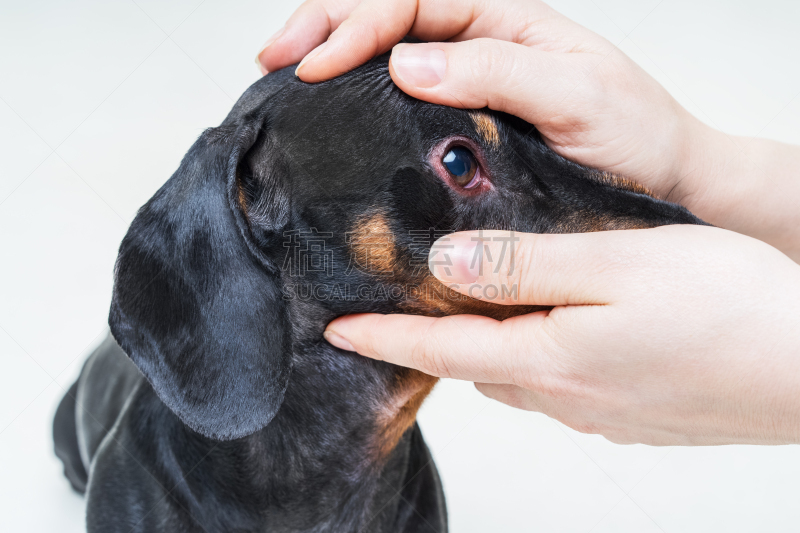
[(217, 406), (304, 472)]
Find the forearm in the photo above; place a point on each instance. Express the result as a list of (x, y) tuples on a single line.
[(748, 185)]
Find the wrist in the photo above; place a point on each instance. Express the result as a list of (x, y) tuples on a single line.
[(711, 181), (747, 185), (703, 154)]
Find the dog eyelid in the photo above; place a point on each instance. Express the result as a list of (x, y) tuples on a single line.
[(458, 162)]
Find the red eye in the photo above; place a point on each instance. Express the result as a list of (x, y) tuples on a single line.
[(459, 163)]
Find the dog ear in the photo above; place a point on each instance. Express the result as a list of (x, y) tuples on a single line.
[(196, 305)]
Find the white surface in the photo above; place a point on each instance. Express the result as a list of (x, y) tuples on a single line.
[(99, 101)]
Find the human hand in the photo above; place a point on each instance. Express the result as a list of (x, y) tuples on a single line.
[(591, 103), (681, 335)]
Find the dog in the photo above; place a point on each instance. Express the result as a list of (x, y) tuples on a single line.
[(217, 406)]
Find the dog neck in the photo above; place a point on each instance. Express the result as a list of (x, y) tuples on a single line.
[(338, 453)]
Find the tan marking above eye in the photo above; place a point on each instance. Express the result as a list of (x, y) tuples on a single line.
[(486, 128)]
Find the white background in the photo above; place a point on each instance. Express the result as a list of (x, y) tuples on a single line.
[(99, 100)]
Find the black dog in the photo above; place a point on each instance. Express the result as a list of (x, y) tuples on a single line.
[(229, 412)]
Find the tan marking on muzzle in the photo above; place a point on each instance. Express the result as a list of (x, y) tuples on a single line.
[(436, 299), (588, 222), (619, 182)]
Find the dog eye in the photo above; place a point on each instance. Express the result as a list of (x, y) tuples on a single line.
[(462, 166)]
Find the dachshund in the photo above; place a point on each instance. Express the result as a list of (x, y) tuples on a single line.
[(216, 406)]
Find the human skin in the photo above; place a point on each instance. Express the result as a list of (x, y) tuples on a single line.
[(674, 335), (668, 336)]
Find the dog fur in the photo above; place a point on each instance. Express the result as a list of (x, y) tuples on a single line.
[(217, 406)]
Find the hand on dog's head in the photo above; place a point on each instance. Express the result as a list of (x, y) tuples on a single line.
[(328, 196)]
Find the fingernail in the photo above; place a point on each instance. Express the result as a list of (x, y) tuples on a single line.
[(261, 68), (271, 40), (455, 259), (338, 341), (419, 64), (310, 56)]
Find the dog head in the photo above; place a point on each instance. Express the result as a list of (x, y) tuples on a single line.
[(326, 199)]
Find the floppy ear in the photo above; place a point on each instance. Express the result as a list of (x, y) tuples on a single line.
[(196, 305)]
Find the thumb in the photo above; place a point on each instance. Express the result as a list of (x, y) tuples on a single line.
[(513, 268), (503, 76)]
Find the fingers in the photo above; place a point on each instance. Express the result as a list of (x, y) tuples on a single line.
[(340, 35), (463, 347), (307, 28), (373, 27), (523, 81), (555, 270), (361, 30)]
